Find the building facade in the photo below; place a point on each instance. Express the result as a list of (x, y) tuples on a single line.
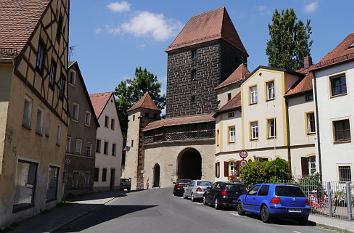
[(333, 86), (81, 139), (109, 143), (33, 106)]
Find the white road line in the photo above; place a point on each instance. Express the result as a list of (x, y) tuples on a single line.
[(296, 232), (234, 214)]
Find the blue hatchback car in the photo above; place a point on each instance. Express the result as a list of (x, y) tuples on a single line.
[(275, 200)]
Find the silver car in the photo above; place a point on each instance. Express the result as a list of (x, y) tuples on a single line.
[(196, 189)]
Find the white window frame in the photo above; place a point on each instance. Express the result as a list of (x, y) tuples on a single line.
[(39, 126), (58, 135), (270, 90), (232, 168), (253, 95), (47, 125), (78, 147), (74, 77), (87, 118), (27, 115), (232, 134), (254, 130), (309, 130), (272, 128), (67, 146), (312, 165), (76, 114)]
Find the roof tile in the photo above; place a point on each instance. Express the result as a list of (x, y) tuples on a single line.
[(144, 102), (303, 85), (232, 104), (238, 75), (99, 101)]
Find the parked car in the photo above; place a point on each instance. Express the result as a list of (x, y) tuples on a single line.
[(223, 194), (271, 200), (178, 189), (125, 184), (196, 189)]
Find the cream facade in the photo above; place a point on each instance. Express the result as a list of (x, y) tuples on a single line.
[(34, 119)]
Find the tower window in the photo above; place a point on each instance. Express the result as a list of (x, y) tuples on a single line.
[(228, 96), (194, 53), (194, 74), (193, 98)]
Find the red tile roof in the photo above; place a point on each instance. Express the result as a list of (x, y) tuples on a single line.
[(99, 101), (144, 102), (208, 26), (179, 121), (18, 20), (343, 52), (303, 85), (238, 75), (232, 104)]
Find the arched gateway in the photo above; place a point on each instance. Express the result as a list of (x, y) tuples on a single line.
[(189, 164), (156, 175)]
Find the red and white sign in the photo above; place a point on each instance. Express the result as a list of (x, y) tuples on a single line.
[(243, 163), (243, 154)]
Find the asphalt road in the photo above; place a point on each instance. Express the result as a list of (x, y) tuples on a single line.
[(158, 211)]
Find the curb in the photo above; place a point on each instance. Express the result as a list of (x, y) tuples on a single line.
[(341, 226), (78, 216)]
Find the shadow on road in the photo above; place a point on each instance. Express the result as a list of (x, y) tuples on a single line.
[(103, 214), (95, 196)]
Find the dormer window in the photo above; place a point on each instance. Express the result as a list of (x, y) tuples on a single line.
[(228, 96), (194, 53)]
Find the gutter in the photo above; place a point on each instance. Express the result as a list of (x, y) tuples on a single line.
[(288, 132)]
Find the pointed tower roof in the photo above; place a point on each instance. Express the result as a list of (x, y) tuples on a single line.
[(238, 75), (208, 26), (144, 102)]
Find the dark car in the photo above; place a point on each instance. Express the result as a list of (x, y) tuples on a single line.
[(178, 189), (223, 194), (125, 184), (271, 200)]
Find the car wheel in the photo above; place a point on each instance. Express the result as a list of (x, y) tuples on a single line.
[(217, 204), (204, 201), (192, 198), (303, 220), (240, 210), (265, 216)]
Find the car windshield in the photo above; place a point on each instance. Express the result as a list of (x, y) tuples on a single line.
[(290, 191), (183, 181), (125, 180), (204, 183), (235, 187)]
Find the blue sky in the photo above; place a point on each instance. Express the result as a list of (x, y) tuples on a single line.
[(111, 38)]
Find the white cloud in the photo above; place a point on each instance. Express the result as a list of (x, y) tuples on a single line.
[(98, 30), (263, 10), (310, 8), (146, 23), (119, 6), (113, 30), (140, 46)]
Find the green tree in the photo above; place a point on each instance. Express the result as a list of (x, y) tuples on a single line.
[(289, 40), (129, 91)]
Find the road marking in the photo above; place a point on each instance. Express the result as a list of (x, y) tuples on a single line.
[(234, 214), (296, 231)]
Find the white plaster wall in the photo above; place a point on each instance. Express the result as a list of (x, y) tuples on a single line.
[(330, 109), (223, 93), (111, 136)]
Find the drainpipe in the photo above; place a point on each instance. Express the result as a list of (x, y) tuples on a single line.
[(288, 132), (317, 125)]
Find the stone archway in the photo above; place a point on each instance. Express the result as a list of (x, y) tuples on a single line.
[(189, 164), (156, 175)]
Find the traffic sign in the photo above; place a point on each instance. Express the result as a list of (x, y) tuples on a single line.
[(67, 161), (243, 163), (142, 171), (243, 154)]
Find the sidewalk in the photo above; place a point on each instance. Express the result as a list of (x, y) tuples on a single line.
[(333, 222), (60, 216)]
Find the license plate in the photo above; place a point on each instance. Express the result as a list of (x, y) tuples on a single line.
[(294, 210)]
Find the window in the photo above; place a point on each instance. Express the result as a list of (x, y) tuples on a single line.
[(132, 143), (217, 169), (78, 146), (62, 87), (87, 118), (40, 57), (60, 26), (231, 114), (311, 128), (309, 98), (58, 135), (341, 131), (232, 168), (52, 190), (254, 190), (27, 113), (217, 137), (105, 148), (104, 174), (194, 74), (338, 85), (113, 149), (97, 173), (228, 96), (312, 164), (47, 125), (308, 165), (112, 124), (194, 53), (254, 130), (147, 115), (39, 127), (270, 90), (67, 147), (193, 98), (106, 121), (88, 149), (272, 131), (133, 117), (232, 134), (75, 112), (25, 184), (75, 181), (253, 95), (52, 73), (344, 173), (72, 77), (98, 146), (264, 190)]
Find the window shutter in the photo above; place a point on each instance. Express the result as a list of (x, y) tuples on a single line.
[(305, 166), (226, 169)]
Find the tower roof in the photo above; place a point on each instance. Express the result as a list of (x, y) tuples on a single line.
[(144, 102), (18, 20), (208, 26), (238, 75), (99, 101)]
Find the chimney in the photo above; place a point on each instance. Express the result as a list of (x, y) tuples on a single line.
[(307, 62)]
